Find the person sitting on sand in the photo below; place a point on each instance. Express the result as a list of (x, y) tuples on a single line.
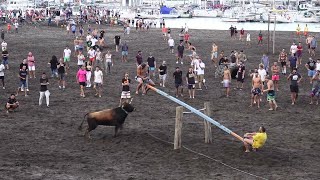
[(12, 103), (255, 139)]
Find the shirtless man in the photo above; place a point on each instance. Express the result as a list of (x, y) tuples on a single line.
[(256, 89), (308, 42), (76, 47), (143, 77), (271, 94), (275, 69), (214, 54), (226, 79), (283, 58)]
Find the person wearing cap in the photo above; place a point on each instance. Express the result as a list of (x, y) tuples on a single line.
[(295, 79), (163, 73), (311, 67)]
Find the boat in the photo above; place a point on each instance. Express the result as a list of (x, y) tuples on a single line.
[(166, 12), (307, 17), (208, 13), (278, 17)]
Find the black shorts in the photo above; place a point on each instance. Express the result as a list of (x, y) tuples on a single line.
[(294, 89), (180, 54), (191, 86), (82, 83), (240, 79), (283, 64), (178, 85), (1, 77)]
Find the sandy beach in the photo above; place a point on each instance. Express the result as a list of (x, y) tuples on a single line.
[(44, 143)]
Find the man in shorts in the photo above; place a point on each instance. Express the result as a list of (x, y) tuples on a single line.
[(143, 77), (283, 58), (293, 48), (256, 89), (171, 44), (180, 50), (240, 75), (152, 65), (12, 103), (271, 94), (163, 73), (313, 46), (255, 139), (178, 81), (5, 57), (293, 62), (200, 74), (315, 91), (61, 74), (311, 68), (91, 55), (98, 81), (117, 41), (23, 80), (125, 94), (299, 52), (191, 81), (2, 68), (275, 69), (214, 54), (226, 79), (66, 56), (124, 52), (295, 79)]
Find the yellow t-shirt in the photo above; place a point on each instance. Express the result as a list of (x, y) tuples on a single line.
[(259, 139)]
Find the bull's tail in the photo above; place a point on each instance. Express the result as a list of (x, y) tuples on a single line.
[(84, 117)]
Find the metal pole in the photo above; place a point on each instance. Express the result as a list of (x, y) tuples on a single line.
[(197, 112), (274, 34)]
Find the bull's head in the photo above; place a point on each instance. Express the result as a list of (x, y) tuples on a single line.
[(127, 107)]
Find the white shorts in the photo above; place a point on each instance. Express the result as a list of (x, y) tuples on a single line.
[(248, 39), (163, 77), (31, 68), (125, 95)]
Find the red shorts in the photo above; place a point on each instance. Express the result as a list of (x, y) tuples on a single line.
[(275, 77), (92, 59), (260, 38)]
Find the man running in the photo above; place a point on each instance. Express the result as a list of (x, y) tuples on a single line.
[(295, 79)]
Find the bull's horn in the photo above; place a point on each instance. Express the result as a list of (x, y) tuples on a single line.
[(130, 100)]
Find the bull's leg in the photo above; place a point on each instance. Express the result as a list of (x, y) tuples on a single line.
[(87, 134), (116, 131)]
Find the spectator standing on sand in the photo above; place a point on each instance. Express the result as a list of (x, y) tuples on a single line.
[(23, 80), (108, 62), (152, 65), (98, 81), (231, 31), (241, 34), (191, 81), (256, 89), (240, 75), (248, 39), (125, 93), (2, 68), (283, 58), (275, 70), (313, 46), (178, 81), (163, 73), (117, 41), (2, 34), (98, 57), (214, 54), (31, 65), (226, 79), (54, 66), (171, 44), (66, 57), (4, 45), (271, 94), (315, 91), (44, 82), (81, 79), (180, 50), (16, 26), (311, 68), (299, 52), (81, 59), (124, 53), (293, 62), (200, 74), (295, 79), (260, 38), (262, 73), (265, 62), (139, 58), (89, 68), (12, 103), (61, 74), (5, 57), (308, 42)]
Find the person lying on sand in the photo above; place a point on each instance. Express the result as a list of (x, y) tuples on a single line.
[(255, 139)]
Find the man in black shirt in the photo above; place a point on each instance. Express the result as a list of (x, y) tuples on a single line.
[(54, 66), (44, 89), (2, 34), (178, 81), (23, 80), (61, 73), (163, 73), (117, 41), (311, 67), (5, 56), (191, 81), (180, 53), (12, 103), (152, 65)]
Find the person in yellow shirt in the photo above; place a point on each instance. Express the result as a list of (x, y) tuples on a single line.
[(255, 139), (298, 30), (306, 30)]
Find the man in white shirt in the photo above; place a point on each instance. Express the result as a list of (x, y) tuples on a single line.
[(16, 26), (171, 44), (66, 56), (200, 74), (93, 42), (92, 55), (293, 48), (4, 45), (2, 68), (262, 73), (318, 65), (98, 81)]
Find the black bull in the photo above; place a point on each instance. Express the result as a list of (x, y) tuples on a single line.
[(109, 117)]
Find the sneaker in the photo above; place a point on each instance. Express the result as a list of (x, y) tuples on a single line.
[(181, 62), (22, 89), (177, 62), (48, 106), (27, 90), (160, 84), (59, 87), (4, 88)]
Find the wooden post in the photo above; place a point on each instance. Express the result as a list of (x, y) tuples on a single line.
[(207, 124), (178, 127)]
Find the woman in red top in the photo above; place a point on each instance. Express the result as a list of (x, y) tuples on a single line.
[(299, 52), (8, 27), (241, 34)]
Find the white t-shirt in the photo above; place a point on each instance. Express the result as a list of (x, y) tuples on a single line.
[(201, 68), (108, 58), (248, 37), (67, 53), (98, 75), (81, 58), (93, 40), (16, 25), (262, 73), (317, 66), (98, 55), (4, 45), (293, 49), (88, 38), (171, 42), (195, 64), (91, 53), (2, 67)]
